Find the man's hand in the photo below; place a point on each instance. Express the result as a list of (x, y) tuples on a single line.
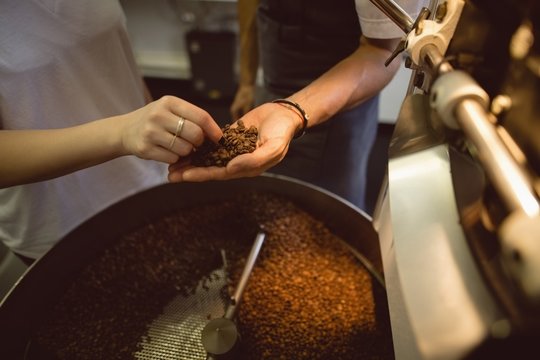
[(276, 126)]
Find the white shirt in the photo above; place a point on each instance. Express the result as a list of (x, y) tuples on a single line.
[(63, 63), (375, 24)]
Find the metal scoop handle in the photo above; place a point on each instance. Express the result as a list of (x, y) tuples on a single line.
[(250, 262), (220, 334)]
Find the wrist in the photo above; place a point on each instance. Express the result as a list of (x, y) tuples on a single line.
[(117, 129), (299, 111)]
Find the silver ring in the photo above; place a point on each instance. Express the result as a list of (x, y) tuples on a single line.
[(179, 128)]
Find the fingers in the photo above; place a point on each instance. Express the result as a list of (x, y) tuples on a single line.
[(170, 128), (197, 174), (245, 165), (185, 137), (158, 153), (199, 123)]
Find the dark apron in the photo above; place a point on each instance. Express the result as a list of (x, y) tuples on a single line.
[(297, 45)]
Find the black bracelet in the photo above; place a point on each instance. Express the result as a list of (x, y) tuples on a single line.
[(304, 116)]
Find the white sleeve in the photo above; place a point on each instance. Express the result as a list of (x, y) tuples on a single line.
[(375, 24)]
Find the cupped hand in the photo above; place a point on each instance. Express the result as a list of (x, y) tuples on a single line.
[(167, 129), (276, 126)]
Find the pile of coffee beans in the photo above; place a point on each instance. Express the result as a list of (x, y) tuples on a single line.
[(307, 298), (236, 141)]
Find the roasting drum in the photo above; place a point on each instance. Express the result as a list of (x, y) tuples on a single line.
[(27, 304)]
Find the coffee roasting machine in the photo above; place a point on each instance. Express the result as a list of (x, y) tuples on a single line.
[(458, 216)]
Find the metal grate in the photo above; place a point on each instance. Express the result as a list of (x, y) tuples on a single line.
[(176, 333)]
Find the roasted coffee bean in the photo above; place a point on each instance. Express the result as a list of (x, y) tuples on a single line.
[(308, 297), (236, 141)]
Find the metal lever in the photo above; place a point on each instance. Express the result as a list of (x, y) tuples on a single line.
[(401, 19), (399, 49), (220, 335)]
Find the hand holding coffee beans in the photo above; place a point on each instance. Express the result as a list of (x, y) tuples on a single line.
[(236, 141)]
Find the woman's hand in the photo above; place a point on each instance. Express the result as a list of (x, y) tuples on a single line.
[(164, 130), (167, 130)]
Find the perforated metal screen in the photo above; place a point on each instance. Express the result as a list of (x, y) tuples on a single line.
[(176, 333)]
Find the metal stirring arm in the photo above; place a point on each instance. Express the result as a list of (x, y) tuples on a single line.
[(220, 334), (248, 268)]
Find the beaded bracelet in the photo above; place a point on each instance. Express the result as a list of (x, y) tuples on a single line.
[(304, 116)]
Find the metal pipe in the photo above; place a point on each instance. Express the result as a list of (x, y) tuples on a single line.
[(434, 60), (219, 336), (506, 175), (396, 14), (250, 262)]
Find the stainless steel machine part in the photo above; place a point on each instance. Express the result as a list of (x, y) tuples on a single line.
[(176, 332), (462, 104), (512, 183), (441, 305), (396, 13), (250, 262), (220, 335)]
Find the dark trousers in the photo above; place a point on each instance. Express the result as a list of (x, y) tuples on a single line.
[(334, 155)]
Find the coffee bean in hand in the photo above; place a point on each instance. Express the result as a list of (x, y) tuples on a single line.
[(236, 141)]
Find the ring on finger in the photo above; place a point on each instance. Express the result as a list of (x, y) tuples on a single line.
[(179, 127)]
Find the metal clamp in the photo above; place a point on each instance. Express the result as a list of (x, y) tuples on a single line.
[(437, 32), (450, 89), (422, 31)]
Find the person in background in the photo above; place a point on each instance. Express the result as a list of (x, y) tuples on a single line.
[(64, 63), (327, 58)]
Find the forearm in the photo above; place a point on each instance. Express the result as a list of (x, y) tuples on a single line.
[(36, 155), (350, 82)]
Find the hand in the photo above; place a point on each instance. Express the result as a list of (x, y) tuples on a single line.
[(276, 125), (157, 131), (243, 101)]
